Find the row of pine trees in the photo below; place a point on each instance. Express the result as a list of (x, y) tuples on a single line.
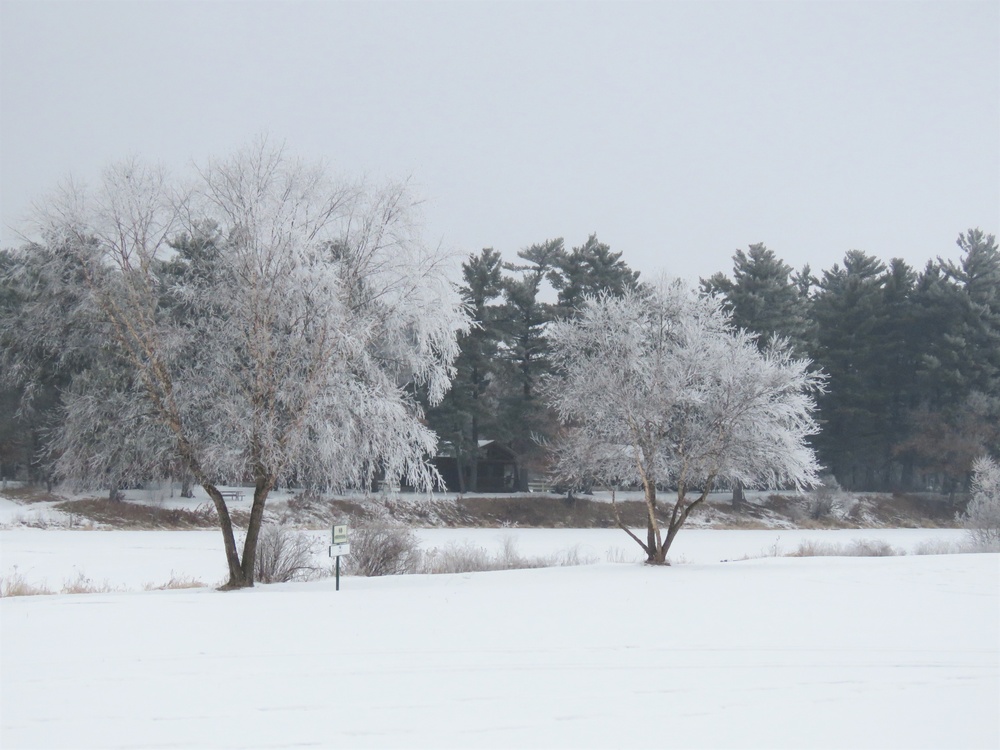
[(912, 355)]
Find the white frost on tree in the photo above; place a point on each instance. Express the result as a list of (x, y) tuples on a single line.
[(658, 390), (269, 323), (982, 517)]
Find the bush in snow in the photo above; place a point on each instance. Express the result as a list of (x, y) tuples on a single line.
[(856, 548), (283, 555), (16, 585), (982, 517), (383, 549), (380, 549), (471, 558)]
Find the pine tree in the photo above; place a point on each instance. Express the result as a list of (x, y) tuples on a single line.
[(470, 407), (765, 297), (847, 309), (894, 360), (523, 419), (978, 276), (955, 415), (587, 271)]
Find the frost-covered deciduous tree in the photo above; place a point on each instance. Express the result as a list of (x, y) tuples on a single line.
[(659, 390), (273, 325), (982, 517)]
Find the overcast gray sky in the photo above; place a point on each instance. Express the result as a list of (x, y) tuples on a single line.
[(678, 131)]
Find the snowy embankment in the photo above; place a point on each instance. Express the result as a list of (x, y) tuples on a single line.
[(898, 652)]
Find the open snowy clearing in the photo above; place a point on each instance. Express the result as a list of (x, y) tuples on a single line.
[(897, 652)]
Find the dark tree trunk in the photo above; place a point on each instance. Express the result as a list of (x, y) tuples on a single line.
[(262, 488), (236, 577), (474, 458), (460, 469), (655, 554), (739, 496)]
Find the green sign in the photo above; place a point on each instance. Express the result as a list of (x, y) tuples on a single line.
[(340, 534)]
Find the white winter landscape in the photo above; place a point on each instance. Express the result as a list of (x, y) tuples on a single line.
[(765, 652)]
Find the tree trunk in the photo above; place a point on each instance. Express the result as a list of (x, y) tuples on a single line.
[(474, 472), (186, 489), (460, 469), (655, 553), (474, 461), (739, 497), (236, 577), (263, 486), (672, 530)]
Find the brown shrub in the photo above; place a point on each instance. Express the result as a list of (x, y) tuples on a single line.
[(127, 515)]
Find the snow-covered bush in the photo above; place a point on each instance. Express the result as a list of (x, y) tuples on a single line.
[(982, 517), (383, 549), (459, 558), (283, 555), (472, 558), (856, 548)]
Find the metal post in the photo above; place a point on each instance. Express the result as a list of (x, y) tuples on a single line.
[(338, 572)]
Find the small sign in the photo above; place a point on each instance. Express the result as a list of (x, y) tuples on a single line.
[(340, 534), (338, 550)]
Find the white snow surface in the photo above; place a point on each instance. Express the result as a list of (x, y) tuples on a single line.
[(132, 560), (825, 652)]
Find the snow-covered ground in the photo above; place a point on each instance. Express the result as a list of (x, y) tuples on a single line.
[(897, 652), (132, 560)]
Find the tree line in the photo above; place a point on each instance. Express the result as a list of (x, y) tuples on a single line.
[(912, 357)]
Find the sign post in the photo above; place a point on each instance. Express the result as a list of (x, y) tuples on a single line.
[(339, 547)]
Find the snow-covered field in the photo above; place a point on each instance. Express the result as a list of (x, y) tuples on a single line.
[(132, 560), (898, 652)]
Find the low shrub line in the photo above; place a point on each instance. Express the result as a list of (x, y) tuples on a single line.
[(382, 548), (870, 548), (16, 584)]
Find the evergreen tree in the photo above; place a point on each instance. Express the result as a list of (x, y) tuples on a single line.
[(956, 410), (37, 362), (523, 418), (587, 271), (894, 361), (978, 276), (470, 406), (847, 309), (765, 297), (14, 450)]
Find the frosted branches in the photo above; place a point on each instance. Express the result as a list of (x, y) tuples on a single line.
[(266, 325), (660, 391)]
